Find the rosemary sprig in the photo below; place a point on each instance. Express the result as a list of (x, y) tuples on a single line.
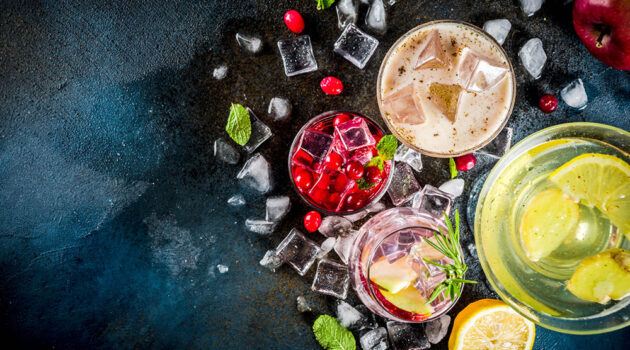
[(449, 247)]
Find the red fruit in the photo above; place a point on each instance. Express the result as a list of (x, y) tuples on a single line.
[(333, 199), (294, 21), (331, 86), (354, 170), (302, 157), (304, 180), (333, 161), (341, 118), (340, 184), (372, 174), (548, 103), (319, 195), (355, 200), (465, 162), (312, 220)]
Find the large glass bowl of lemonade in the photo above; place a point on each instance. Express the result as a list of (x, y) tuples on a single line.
[(552, 225)]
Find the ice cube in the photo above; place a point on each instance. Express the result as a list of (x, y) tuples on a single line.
[(533, 57), (391, 2), (403, 185), (409, 156), (574, 94), (297, 55), (331, 278), (478, 73), (531, 6), (356, 216), (375, 339), (279, 109), (262, 227), (348, 316), (220, 72), (355, 46), (347, 12), (260, 133), (223, 268), (472, 250), (446, 98), (371, 318), (256, 173), (277, 208), (327, 245), (225, 152), (376, 207), (498, 29), (355, 134), (405, 336), (499, 145), (431, 54), (404, 106), (236, 200), (436, 330), (454, 187), (303, 305), (316, 144), (250, 43), (344, 244), (333, 226), (271, 261), (375, 19), (298, 251), (433, 200)]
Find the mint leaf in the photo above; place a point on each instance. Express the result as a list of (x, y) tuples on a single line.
[(239, 127), (386, 147), (376, 161), (331, 335), (362, 184), (324, 4), (452, 167)]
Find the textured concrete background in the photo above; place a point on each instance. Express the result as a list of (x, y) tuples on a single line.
[(113, 214)]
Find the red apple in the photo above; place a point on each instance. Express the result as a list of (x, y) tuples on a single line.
[(604, 28)]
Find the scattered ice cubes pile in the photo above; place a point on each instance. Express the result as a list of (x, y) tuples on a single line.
[(350, 317), (331, 278), (298, 251), (356, 216), (236, 200), (533, 57), (223, 268), (409, 156), (454, 187), (262, 227), (355, 134), (303, 305), (531, 6), (431, 54), (404, 106), (333, 226), (405, 336), (574, 94), (250, 43), (499, 145), (436, 330), (225, 152), (347, 12), (327, 245), (260, 133), (271, 261), (344, 244), (375, 339), (403, 185), (355, 46), (498, 29), (375, 19), (220, 72), (256, 173), (316, 144), (478, 73), (279, 109), (277, 208), (433, 200), (297, 55)]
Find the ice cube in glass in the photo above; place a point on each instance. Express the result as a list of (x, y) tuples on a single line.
[(404, 106), (331, 278), (355, 134), (477, 73), (316, 144), (431, 54), (355, 45), (297, 55), (298, 251)]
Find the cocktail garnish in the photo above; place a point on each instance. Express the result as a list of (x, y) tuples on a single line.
[(386, 148), (452, 167), (332, 335), (239, 127)]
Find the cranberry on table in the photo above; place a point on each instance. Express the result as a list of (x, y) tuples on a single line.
[(312, 220), (548, 103), (294, 21), (355, 200), (341, 118), (354, 170), (465, 162), (304, 180), (333, 161), (331, 85), (372, 174)]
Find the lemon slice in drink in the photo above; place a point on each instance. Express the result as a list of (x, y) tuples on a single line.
[(491, 324), (598, 180)]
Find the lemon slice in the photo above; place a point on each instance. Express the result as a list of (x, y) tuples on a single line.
[(491, 324), (617, 207)]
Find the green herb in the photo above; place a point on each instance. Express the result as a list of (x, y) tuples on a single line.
[(362, 184), (377, 162), (386, 147), (331, 335), (452, 167), (324, 4), (239, 127), (449, 247)]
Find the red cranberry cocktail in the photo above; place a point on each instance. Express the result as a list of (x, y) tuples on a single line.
[(328, 163)]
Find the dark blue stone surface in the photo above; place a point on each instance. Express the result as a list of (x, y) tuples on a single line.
[(113, 210)]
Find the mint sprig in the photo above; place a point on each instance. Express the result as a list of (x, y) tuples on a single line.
[(452, 167), (324, 4), (239, 126), (331, 335), (386, 148)]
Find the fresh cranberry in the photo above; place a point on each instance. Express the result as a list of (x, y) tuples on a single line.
[(374, 152), (294, 21), (354, 170), (303, 157), (319, 195), (323, 181), (333, 161), (548, 103), (312, 220), (333, 199), (304, 180), (355, 200), (331, 86), (341, 118), (372, 174), (340, 184), (465, 162)]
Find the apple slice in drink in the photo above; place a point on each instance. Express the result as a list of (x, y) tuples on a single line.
[(409, 299), (392, 277)]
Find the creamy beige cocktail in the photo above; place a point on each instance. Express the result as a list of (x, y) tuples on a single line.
[(446, 88)]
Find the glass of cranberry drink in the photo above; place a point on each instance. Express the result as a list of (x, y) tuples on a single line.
[(328, 163)]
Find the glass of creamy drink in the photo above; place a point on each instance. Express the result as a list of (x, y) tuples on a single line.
[(446, 88)]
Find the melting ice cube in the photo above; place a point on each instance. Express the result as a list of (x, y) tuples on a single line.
[(409, 156), (374, 340), (531, 6), (533, 57), (446, 98), (404, 336), (454, 187), (331, 278), (298, 251), (333, 226), (236, 200), (316, 144), (256, 173), (431, 54), (220, 72), (277, 208), (403, 185), (327, 245), (355, 46), (260, 133), (262, 227), (404, 106), (347, 12), (355, 134), (375, 19), (297, 55), (498, 29), (271, 261), (574, 94), (250, 43), (478, 73), (279, 108), (436, 330), (499, 145), (225, 152), (344, 244), (433, 200)]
